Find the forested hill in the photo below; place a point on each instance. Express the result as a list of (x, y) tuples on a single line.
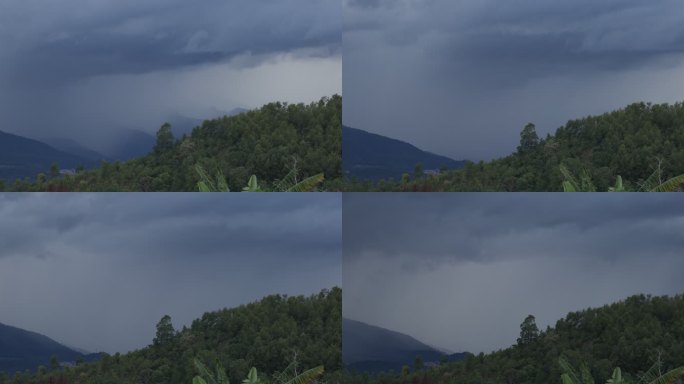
[(368, 348), (21, 350), (21, 157), (632, 142), (267, 142), (630, 334), (266, 334), (368, 156)]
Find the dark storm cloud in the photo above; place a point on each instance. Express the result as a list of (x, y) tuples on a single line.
[(90, 71), (470, 227), (95, 264), (450, 61), (56, 43), (172, 227), (479, 263)]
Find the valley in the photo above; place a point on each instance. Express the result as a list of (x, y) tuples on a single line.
[(642, 335), (280, 144), (270, 334), (637, 148)]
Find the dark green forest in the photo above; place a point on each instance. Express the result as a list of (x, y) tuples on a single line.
[(270, 142), (271, 335), (642, 143), (635, 335)]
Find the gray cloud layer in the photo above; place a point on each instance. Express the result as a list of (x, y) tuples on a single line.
[(97, 271), (85, 69), (75, 39), (457, 75), (462, 270)]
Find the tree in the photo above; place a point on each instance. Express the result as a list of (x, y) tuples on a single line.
[(528, 138), (165, 331), (405, 371), (405, 178), (528, 331), (418, 171), (165, 139), (418, 363), (54, 363), (54, 170)]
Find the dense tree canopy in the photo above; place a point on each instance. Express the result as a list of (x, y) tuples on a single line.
[(265, 142), (630, 334), (632, 142), (268, 334)]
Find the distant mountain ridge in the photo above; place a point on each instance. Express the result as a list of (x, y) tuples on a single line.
[(643, 143), (369, 156), (136, 143), (75, 148), (21, 157), (21, 349), (369, 348)]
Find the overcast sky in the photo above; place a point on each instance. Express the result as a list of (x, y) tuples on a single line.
[(462, 271), (98, 271), (462, 77), (81, 69)]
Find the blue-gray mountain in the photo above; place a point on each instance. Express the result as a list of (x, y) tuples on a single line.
[(21, 350), (21, 157), (368, 156), (372, 349)]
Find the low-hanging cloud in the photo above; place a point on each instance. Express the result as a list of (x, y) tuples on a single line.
[(99, 270), (432, 72), (479, 263), (73, 39), (90, 71)]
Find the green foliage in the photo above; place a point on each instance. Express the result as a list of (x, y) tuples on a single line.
[(654, 375), (206, 184), (260, 142), (528, 138), (206, 377), (290, 375), (165, 139), (627, 334), (263, 334), (252, 185), (165, 332), (252, 377), (653, 183), (618, 185), (571, 184), (596, 148), (290, 183), (528, 331)]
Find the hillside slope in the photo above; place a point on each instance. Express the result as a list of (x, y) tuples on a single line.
[(266, 334), (368, 156), (74, 148), (21, 350), (368, 348), (21, 157), (630, 334), (631, 142), (266, 142)]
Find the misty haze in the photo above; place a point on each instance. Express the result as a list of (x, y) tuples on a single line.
[(598, 83), (455, 277), (96, 80), (93, 273)]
